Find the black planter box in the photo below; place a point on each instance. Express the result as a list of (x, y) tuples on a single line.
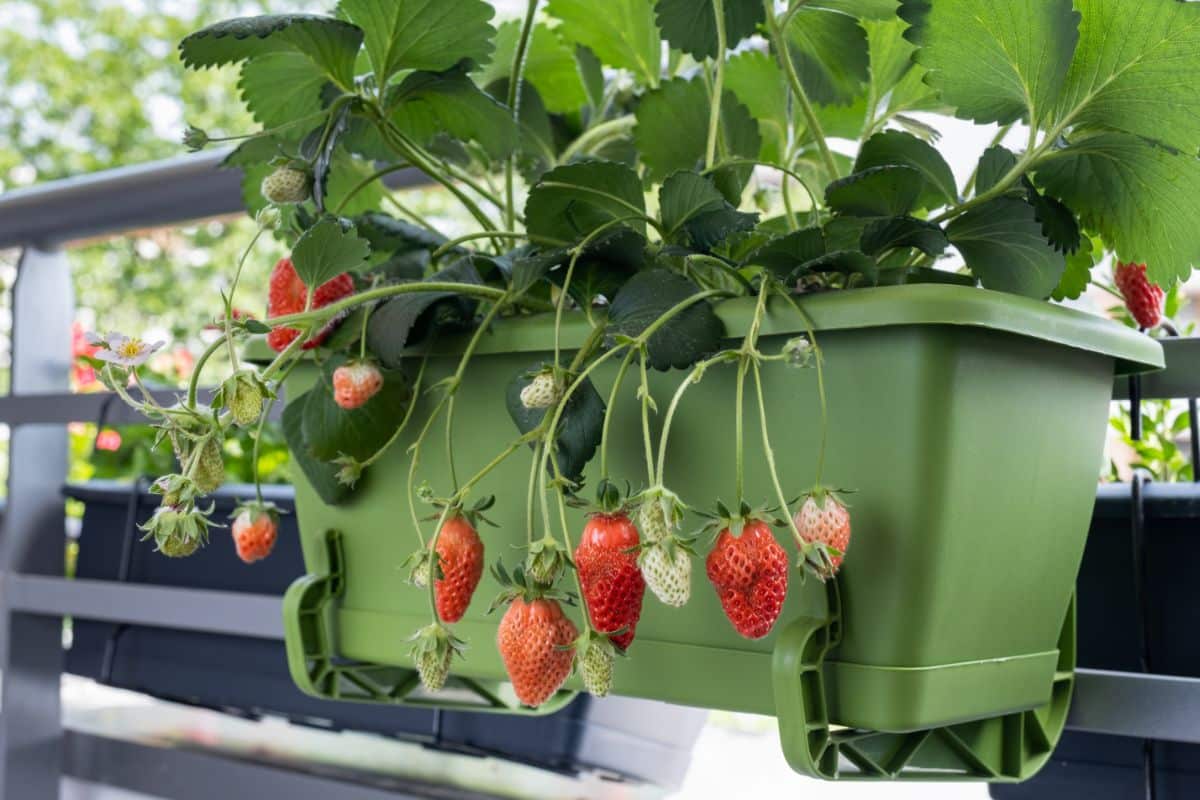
[(632, 739), (1100, 767)]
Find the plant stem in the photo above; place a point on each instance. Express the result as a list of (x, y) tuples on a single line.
[(769, 452), (780, 45), (367, 181), (413, 215), (258, 433), (515, 78), (416, 392), (644, 392), (532, 490), (597, 135), (608, 415), (321, 315), (201, 360), (819, 355), (237, 275), (714, 114), (453, 243)]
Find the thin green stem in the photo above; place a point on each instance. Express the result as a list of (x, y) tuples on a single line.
[(237, 275), (738, 452), (529, 237), (321, 315), (201, 360), (258, 434), (819, 355), (367, 181), (789, 173), (416, 392), (714, 114), (515, 77), (531, 490), (780, 46), (612, 399), (390, 197), (644, 393), (597, 135), (769, 453)]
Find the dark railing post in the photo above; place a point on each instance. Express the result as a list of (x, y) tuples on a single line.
[(33, 536)]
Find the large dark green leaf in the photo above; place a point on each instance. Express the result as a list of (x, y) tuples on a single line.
[(903, 232), (784, 254), (320, 475), (995, 163), (428, 104), (691, 25), (829, 49), (680, 342), (995, 60), (604, 266), (388, 234), (431, 35), (579, 428), (1002, 243), (331, 431), (693, 210), (1059, 224), (887, 191), (572, 201), (409, 317), (755, 79), (1144, 200), (904, 149), (326, 250), (1078, 274), (622, 33), (331, 44)]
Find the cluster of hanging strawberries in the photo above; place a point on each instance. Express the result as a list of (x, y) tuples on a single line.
[(540, 645)]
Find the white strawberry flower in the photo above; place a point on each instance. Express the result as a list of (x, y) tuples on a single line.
[(125, 351)]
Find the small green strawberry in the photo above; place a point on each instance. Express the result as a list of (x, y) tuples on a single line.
[(433, 650), (665, 558), (210, 469), (178, 531), (243, 395), (546, 560), (544, 391), (595, 655), (286, 185)]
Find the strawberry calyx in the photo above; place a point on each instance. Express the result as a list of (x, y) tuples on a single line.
[(722, 519), (257, 510), (546, 560), (433, 650), (520, 585)]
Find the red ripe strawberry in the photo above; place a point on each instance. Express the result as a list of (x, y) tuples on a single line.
[(1143, 299), (460, 557), (287, 295), (356, 382), (534, 641), (750, 574), (612, 583), (254, 533), (824, 520)]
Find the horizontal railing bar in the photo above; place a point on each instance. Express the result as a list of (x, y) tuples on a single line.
[(50, 408), (209, 611), (1162, 707), (1180, 379), (158, 193)]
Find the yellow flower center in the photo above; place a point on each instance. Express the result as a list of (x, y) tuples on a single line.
[(131, 348)]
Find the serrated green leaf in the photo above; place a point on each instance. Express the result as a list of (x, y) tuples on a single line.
[(996, 162), (1002, 243), (672, 133), (1134, 71), (388, 234), (579, 428), (757, 82), (1078, 274), (682, 341), (886, 191), (605, 265), (904, 149), (331, 431), (904, 232), (1144, 200), (785, 253), (846, 262), (690, 205), (428, 104), (322, 477), (332, 44), (428, 35), (1059, 225), (995, 60), (345, 175), (829, 50), (407, 318), (538, 149), (279, 88), (623, 34), (571, 201), (326, 250), (691, 26), (550, 66)]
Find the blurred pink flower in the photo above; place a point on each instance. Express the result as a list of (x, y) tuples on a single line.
[(108, 440)]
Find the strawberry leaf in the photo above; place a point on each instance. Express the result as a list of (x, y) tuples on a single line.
[(623, 34), (904, 149), (571, 201), (996, 162), (1002, 243), (321, 476), (691, 26), (694, 212), (281, 87), (995, 60), (684, 339), (422, 34), (885, 191), (784, 254), (829, 49), (431, 103), (903, 232), (326, 250), (331, 44), (410, 317), (550, 67), (579, 428)]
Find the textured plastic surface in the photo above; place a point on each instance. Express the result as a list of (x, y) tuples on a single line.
[(970, 423), (636, 740)]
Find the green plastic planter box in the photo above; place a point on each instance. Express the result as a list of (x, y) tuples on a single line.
[(971, 424)]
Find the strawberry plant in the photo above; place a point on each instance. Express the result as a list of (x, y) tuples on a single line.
[(634, 192)]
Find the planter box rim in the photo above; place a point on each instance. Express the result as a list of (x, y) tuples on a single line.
[(875, 307)]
